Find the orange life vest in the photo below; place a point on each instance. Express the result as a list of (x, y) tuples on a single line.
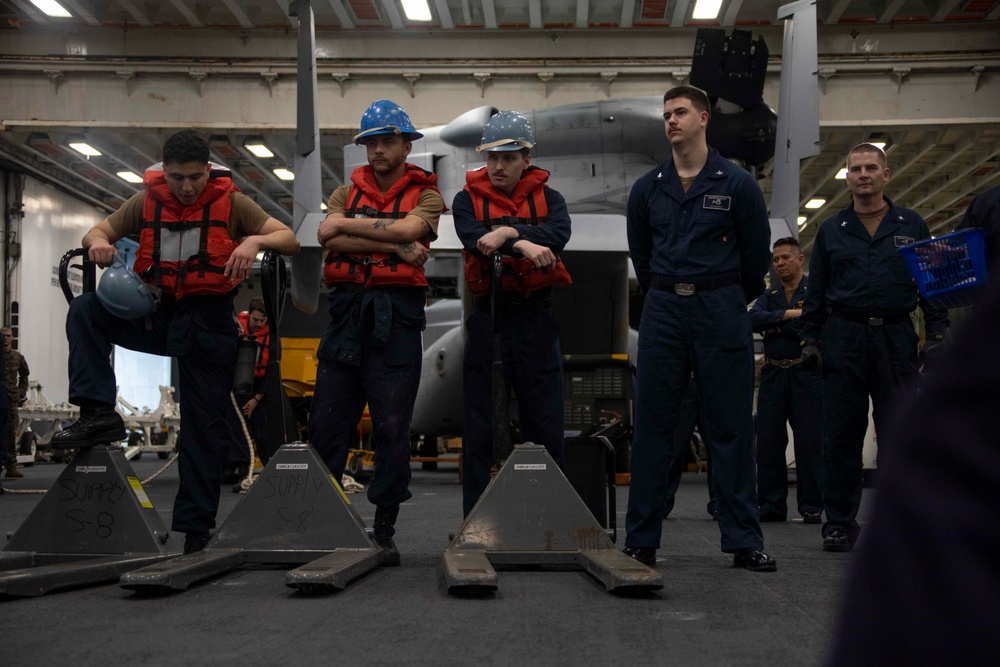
[(525, 206), (365, 200), (263, 337), (184, 249)]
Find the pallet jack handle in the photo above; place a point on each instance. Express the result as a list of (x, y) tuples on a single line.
[(88, 268), (501, 405), (273, 283)]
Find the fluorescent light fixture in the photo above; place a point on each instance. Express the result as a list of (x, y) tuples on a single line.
[(258, 148), (815, 203), (706, 9), (842, 174), (416, 10), (284, 174), (52, 8), (84, 148), (129, 176), (878, 144), (322, 206), (801, 220)]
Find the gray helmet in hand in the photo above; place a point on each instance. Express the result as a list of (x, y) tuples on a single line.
[(506, 131), (123, 293)]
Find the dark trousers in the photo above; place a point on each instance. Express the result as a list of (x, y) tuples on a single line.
[(689, 418), (201, 333), (710, 334), (859, 361), (386, 379), (789, 395), (533, 368)]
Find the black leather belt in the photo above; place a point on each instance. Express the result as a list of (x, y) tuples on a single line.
[(783, 363), (871, 319), (692, 288)]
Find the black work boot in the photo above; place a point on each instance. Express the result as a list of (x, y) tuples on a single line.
[(97, 424), (195, 542), (382, 533)]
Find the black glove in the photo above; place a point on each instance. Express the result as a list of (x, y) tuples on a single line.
[(930, 354), (812, 358)]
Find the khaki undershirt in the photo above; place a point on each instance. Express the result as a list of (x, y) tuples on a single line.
[(872, 220), (245, 218), (428, 208), (686, 182)]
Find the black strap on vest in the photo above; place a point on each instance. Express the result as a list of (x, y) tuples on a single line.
[(157, 272), (203, 242)]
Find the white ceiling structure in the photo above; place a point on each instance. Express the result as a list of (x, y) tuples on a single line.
[(124, 74)]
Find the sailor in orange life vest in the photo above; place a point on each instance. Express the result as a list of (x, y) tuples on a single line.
[(506, 207), (253, 324), (198, 238), (378, 232)]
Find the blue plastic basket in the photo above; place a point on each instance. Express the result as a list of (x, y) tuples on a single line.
[(948, 269)]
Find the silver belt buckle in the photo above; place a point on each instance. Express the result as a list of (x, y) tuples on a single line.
[(684, 289), (874, 321), (785, 363)]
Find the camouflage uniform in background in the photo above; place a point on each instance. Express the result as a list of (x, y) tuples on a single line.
[(16, 381)]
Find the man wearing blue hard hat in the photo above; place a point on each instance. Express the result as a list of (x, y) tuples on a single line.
[(378, 234), (198, 238), (507, 207)]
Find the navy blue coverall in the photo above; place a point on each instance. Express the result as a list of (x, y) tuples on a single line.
[(787, 393), (371, 352), (858, 306), (984, 211), (702, 256), (690, 417), (201, 332), (532, 357)]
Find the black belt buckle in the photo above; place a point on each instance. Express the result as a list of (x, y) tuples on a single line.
[(684, 289), (875, 321)]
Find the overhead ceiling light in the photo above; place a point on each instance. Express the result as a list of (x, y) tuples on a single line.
[(256, 146), (706, 9), (878, 144), (815, 203), (416, 10), (129, 176), (322, 206), (801, 220), (52, 8), (284, 174), (84, 148), (842, 174)]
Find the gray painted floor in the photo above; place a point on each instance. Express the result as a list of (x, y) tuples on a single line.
[(708, 614)]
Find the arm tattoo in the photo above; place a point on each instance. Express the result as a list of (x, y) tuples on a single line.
[(382, 223), (407, 247)]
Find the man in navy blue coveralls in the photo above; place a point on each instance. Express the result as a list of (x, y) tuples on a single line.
[(699, 240), (856, 324), (787, 393), (984, 211)]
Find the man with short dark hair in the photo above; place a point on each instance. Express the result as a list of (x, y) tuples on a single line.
[(787, 393), (698, 236), (197, 267), (856, 325), (378, 232), (507, 207)]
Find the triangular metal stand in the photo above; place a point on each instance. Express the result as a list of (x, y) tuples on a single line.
[(531, 515), (95, 523), (295, 512)]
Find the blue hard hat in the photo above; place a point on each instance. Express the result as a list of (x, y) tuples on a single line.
[(386, 117), (123, 293), (506, 131)]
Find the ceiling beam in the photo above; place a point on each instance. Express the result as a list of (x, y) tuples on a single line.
[(628, 11), (188, 15), (582, 13), (535, 14), (290, 20), (680, 13), (82, 11), (946, 7), (490, 15), (31, 11), (237, 9), (732, 11), (342, 14), (444, 14), (890, 11), (838, 11), (393, 13)]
